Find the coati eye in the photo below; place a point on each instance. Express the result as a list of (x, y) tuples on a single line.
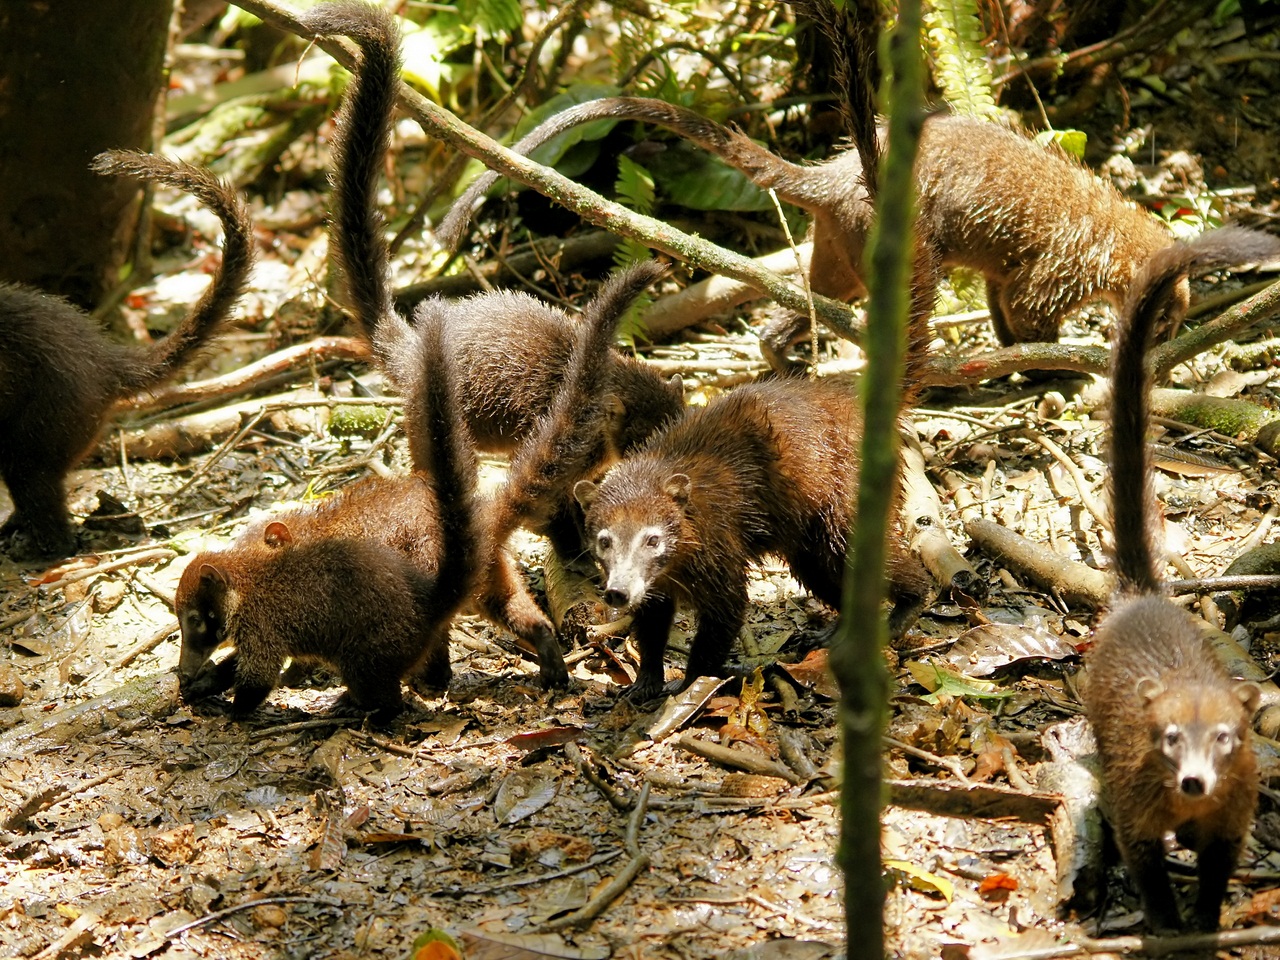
[(604, 541), (1224, 738), (652, 541), (1172, 738)]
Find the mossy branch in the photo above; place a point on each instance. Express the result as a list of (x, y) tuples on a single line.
[(589, 205), (857, 652)]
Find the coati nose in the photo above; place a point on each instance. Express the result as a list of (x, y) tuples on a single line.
[(1193, 786), (614, 597)]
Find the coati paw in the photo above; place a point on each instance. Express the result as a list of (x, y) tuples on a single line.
[(645, 689)]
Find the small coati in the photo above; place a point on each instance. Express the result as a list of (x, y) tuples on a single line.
[(59, 375), (767, 468), (509, 351), (1172, 727), (511, 355), (1046, 234), (367, 581)]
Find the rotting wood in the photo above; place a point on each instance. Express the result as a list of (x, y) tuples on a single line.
[(1076, 583), (736, 759), (922, 511)]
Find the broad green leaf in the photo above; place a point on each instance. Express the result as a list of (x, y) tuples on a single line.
[(1071, 141), (693, 178), (940, 681)]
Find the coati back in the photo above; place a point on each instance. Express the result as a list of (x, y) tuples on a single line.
[(767, 468), (367, 581), (1172, 727), (1046, 234), (59, 375), (509, 350)]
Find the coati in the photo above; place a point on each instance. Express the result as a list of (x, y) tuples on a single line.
[(59, 375), (367, 581), (1172, 727), (1046, 234), (509, 351), (511, 355), (768, 468)]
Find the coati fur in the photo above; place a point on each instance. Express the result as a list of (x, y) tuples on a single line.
[(1046, 234), (512, 356), (60, 376), (367, 581), (1172, 727), (767, 468), (509, 351)]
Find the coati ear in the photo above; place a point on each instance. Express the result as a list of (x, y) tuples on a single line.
[(214, 574), (276, 534), (677, 487), (1148, 689), (584, 491), (1250, 694), (676, 383)]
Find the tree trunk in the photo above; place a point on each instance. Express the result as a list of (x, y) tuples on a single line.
[(79, 76)]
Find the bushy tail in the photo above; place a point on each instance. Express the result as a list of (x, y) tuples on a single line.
[(166, 357), (359, 147), (440, 446), (570, 436), (1132, 499), (731, 146)]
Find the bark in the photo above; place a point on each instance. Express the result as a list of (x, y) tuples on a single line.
[(79, 76)]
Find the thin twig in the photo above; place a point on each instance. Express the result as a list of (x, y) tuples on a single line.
[(1077, 476), (248, 905), (944, 763), (1153, 946)]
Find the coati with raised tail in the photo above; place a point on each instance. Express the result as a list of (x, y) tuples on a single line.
[(367, 581), (60, 376), (1047, 235), (511, 355), (1172, 727), (509, 351), (767, 468)]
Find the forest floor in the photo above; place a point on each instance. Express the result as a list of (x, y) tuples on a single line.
[(134, 824)]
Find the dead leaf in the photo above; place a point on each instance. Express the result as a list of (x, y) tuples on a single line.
[(522, 794), (497, 946), (920, 879), (748, 714), (678, 710), (987, 648), (435, 945), (997, 887), (542, 739), (814, 672)]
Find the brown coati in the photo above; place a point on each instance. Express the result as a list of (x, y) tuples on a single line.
[(511, 354), (509, 351), (367, 581), (767, 468), (1046, 234), (59, 375), (1172, 727)]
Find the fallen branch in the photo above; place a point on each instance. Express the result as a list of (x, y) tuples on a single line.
[(1076, 583), (1142, 946), (250, 377), (737, 759), (618, 885)]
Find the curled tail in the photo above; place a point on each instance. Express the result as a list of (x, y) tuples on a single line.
[(440, 446), (569, 438), (166, 357), (359, 147), (1132, 499), (736, 149)]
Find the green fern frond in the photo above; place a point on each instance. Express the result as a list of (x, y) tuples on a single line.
[(634, 189), (954, 35)]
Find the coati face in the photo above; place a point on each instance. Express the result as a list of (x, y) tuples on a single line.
[(634, 534), (203, 603), (1198, 732)]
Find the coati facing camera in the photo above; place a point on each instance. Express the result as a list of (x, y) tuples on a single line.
[(59, 375), (367, 581), (509, 351), (767, 468), (1172, 727), (1046, 234)]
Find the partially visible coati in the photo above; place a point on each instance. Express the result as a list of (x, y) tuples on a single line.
[(59, 375), (1172, 727), (509, 351), (367, 581), (510, 354), (1046, 234), (767, 468)]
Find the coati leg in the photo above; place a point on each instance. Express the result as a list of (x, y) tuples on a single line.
[(507, 603), (995, 305), (436, 672), (373, 685), (721, 615), (39, 511), (651, 625), (254, 682), (212, 680), (1145, 859), (1215, 862)]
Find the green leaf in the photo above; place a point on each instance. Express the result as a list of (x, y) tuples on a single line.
[(955, 34), (426, 47), (551, 151), (693, 178), (497, 17), (940, 682), (634, 189), (1070, 141)]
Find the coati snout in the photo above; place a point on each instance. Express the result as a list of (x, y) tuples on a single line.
[(1197, 732), (634, 550)]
